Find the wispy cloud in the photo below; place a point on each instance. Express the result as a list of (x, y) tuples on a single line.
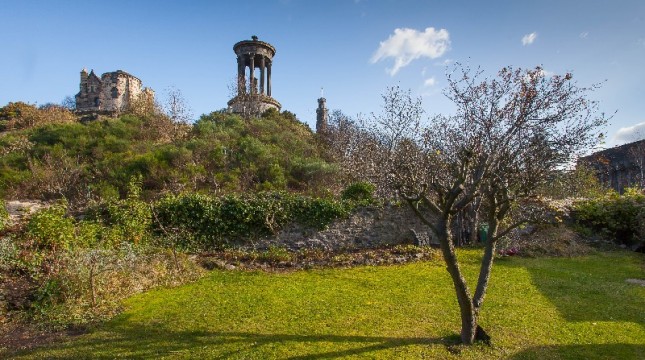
[(629, 134), (528, 39), (407, 45), (584, 34), (430, 82), (445, 62)]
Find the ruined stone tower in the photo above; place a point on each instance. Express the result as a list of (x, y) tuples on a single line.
[(110, 94), (253, 98), (322, 116)]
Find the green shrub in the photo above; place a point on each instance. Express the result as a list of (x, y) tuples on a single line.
[(128, 220), (619, 217), (361, 191), (207, 222), (4, 215), (50, 228), (319, 212)]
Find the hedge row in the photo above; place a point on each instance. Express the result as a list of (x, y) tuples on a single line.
[(202, 221), (619, 217)]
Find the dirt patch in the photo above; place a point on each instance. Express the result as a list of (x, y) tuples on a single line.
[(284, 261), (16, 336)]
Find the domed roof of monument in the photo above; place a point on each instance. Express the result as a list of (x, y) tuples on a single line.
[(254, 42)]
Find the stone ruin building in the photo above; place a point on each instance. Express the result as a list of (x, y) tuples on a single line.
[(253, 93), (110, 94), (619, 167)]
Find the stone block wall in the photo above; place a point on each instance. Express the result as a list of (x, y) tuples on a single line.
[(367, 228), (111, 94)]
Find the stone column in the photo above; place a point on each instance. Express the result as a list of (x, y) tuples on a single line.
[(269, 78), (252, 66), (262, 65), (241, 76)]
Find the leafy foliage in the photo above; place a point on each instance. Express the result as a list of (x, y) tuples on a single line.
[(130, 219), (219, 153), (619, 217), (208, 222), (51, 228), (361, 191), (20, 115)]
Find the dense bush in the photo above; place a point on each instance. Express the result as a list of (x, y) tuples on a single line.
[(20, 115), (51, 228), (619, 217), (72, 272), (210, 222), (360, 191), (128, 220), (219, 153)]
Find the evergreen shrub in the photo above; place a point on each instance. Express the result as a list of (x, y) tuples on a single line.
[(619, 217)]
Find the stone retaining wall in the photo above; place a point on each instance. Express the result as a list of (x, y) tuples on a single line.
[(366, 228)]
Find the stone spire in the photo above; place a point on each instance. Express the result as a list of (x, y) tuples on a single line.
[(322, 115), (83, 84)]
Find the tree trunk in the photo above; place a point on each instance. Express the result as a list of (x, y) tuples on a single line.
[(468, 315)]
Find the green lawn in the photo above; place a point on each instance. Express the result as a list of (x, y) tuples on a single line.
[(577, 308)]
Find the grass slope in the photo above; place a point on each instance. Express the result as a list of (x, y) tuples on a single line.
[(578, 308)]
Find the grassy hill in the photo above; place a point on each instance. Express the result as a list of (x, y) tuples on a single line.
[(50, 156)]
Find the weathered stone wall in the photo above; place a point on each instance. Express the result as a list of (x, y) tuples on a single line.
[(112, 93), (252, 104), (118, 91), (368, 227)]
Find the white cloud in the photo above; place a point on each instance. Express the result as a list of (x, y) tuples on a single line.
[(406, 45), (528, 39), (445, 62), (546, 73), (584, 34), (430, 82), (541, 74), (629, 134)]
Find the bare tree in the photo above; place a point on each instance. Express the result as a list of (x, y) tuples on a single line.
[(508, 135), (69, 103), (176, 107)]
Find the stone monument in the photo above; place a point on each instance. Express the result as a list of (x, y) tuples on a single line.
[(253, 93), (322, 116)]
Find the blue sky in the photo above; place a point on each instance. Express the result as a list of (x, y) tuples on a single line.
[(354, 49)]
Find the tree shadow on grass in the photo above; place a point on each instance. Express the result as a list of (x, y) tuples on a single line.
[(581, 292), (596, 351), (141, 342)]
